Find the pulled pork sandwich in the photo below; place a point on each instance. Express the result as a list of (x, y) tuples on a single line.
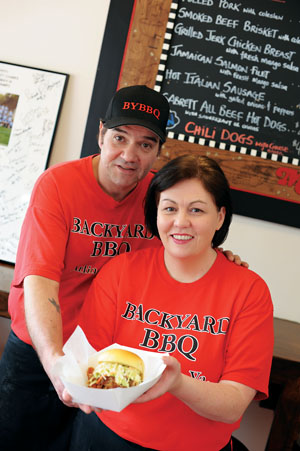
[(116, 368)]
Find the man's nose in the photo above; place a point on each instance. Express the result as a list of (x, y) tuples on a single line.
[(129, 153)]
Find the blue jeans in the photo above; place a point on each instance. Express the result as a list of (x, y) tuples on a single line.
[(31, 414)]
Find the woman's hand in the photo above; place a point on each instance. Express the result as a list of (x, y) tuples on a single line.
[(170, 379)]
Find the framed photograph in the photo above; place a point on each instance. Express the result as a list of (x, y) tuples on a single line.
[(231, 74), (30, 104)]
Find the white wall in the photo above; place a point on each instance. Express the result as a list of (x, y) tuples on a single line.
[(273, 251), (66, 36), (63, 36)]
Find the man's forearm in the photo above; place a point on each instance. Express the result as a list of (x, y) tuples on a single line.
[(43, 317)]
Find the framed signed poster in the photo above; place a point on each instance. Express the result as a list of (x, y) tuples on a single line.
[(230, 71), (30, 103)]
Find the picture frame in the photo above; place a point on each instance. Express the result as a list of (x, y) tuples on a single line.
[(30, 104), (265, 188)]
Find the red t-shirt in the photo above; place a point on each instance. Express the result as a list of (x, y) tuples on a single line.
[(219, 327), (71, 229)]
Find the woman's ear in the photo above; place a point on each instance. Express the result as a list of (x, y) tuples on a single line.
[(221, 217)]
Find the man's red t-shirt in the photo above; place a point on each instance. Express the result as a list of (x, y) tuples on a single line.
[(71, 229)]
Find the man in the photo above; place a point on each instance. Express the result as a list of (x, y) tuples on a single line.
[(81, 214)]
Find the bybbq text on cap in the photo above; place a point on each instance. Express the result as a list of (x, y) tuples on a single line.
[(138, 105)]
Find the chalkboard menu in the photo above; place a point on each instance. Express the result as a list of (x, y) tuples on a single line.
[(232, 74), (230, 70)]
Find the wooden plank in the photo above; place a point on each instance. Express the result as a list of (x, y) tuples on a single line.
[(3, 304), (145, 43), (287, 340)]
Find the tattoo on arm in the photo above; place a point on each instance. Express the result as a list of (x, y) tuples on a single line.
[(56, 305)]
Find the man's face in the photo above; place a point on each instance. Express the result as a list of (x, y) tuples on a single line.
[(127, 155)]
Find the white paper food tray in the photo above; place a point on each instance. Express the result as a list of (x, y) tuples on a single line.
[(72, 367)]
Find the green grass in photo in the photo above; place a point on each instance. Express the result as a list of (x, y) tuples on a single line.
[(4, 135)]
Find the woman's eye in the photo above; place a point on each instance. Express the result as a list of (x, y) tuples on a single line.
[(196, 210), (169, 209)]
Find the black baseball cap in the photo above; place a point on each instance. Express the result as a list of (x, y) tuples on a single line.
[(138, 105)]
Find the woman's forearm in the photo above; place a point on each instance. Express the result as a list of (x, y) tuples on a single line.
[(225, 401)]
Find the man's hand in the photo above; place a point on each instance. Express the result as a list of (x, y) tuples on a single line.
[(59, 386), (67, 400), (234, 258)]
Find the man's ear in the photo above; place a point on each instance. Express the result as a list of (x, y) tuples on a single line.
[(100, 134)]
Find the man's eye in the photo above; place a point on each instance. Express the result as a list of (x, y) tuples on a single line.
[(118, 138), (146, 146)]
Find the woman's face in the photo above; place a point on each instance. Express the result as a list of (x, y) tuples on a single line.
[(187, 219)]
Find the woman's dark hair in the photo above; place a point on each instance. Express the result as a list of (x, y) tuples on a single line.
[(186, 167)]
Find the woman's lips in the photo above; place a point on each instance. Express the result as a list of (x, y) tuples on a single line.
[(182, 238)]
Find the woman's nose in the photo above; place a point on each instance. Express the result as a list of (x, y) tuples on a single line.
[(181, 219)]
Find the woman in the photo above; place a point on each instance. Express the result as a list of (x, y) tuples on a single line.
[(185, 298)]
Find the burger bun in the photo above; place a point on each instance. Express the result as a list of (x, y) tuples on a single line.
[(123, 357)]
